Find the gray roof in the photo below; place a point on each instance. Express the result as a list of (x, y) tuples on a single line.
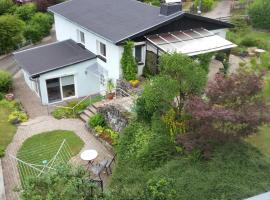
[(112, 19), (52, 56)]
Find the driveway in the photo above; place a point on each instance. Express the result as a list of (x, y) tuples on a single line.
[(222, 9)]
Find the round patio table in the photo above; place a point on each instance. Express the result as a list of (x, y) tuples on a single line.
[(89, 155)]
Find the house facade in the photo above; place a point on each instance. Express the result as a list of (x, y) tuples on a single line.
[(90, 36)]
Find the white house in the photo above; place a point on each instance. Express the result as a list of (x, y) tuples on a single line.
[(91, 34)]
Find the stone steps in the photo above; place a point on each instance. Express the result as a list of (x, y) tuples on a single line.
[(88, 112)]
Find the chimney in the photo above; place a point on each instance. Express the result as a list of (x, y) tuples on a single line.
[(170, 8)]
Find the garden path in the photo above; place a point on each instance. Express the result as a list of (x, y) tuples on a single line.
[(44, 124), (222, 9)]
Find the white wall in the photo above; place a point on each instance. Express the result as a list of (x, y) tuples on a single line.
[(86, 83), (68, 30)]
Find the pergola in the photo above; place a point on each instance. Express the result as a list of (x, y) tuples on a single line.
[(190, 42)]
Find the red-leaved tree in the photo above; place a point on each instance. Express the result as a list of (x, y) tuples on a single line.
[(233, 106)]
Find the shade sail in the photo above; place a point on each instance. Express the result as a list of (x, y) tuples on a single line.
[(191, 42)]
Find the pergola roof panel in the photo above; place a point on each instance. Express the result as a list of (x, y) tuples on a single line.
[(190, 42)]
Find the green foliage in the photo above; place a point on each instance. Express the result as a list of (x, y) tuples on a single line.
[(128, 62), (26, 11), (67, 112), (189, 74), (11, 105), (2, 96), (253, 42), (11, 31), (17, 116), (96, 120), (206, 5), (226, 176), (110, 86), (259, 14), (32, 32), (5, 6), (160, 190), (2, 152), (204, 60), (240, 24), (156, 97), (5, 81), (66, 182)]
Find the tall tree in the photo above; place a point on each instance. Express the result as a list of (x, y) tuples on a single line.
[(233, 106), (189, 75), (128, 62), (11, 32)]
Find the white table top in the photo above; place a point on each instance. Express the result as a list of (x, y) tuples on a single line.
[(89, 155)]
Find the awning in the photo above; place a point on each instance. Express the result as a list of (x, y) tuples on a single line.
[(191, 42), (97, 69)]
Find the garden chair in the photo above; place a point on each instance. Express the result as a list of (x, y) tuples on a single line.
[(99, 168), (109, 164)]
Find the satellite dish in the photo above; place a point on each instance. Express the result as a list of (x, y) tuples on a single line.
[(173, 1)]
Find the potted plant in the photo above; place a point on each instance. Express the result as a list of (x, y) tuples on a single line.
[(110, 87)]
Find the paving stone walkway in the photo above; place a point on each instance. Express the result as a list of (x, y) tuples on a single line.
[(39, 125)]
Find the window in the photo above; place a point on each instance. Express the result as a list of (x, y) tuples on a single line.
[(138, 54), (68, 87), (102, 49), (102, 80), (81, 38)]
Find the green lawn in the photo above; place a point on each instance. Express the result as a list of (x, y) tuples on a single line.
[(7, 130), (261, 140), (45, 145)]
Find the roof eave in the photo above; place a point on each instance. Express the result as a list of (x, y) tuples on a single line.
[(34, 75), (218, 22)]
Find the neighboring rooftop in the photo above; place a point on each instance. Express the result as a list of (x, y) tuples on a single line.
[(52, 56), (112, 19)]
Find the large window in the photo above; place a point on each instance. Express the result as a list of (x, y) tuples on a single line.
[(60, 88), (68, 86)]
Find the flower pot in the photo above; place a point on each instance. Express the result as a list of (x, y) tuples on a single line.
[(110, 96), (9, 97)]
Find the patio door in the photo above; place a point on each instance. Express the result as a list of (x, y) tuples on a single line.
[(53, 90), (59, 89)]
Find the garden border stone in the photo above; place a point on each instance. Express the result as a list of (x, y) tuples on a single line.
[(2, 187), (94, 133)]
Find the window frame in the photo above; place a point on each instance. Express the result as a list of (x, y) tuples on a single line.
[(139, 62)]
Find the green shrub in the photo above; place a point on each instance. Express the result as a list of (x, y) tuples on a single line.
[(25, 12), (206, 5), (259, 14), (2, 96), (12, 105), (31, 32), (253, 42), (161, 189), (5, 81), (11, 31), (5, 5), (240, 24), (96, 120), (2, 152), (60, 113), (17, 116), (128, 62)]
